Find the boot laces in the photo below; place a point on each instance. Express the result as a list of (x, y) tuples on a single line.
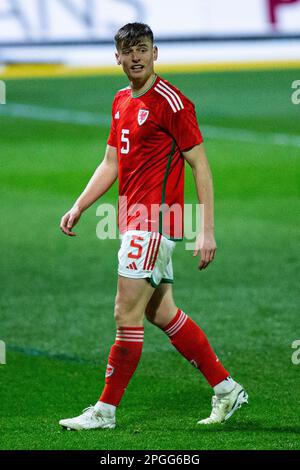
[(90, 412), (218, 404)]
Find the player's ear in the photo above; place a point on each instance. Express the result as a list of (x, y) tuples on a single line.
[(155, 52), (117, 56)]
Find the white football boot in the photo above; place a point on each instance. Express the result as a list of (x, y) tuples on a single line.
[(224, 407), (90, 419)]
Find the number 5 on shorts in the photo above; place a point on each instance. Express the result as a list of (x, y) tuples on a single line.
[(136, 245)]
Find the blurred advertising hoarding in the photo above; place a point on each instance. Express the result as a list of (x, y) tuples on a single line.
[(95, 20)]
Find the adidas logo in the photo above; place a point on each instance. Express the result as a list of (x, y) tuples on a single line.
[(117, 115), (132, 266)]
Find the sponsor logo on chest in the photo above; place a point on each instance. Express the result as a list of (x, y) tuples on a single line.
[(142, 116)]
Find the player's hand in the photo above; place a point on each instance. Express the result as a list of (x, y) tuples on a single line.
[(69, 220), (206, 244)]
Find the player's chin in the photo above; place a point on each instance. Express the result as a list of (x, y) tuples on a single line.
[(134, 73)]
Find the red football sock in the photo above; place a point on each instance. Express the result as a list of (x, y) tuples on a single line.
[(193, 344), (122, 361)]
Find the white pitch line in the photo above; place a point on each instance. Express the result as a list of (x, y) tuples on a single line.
[(242, 135), (65, 116), (86, 118)]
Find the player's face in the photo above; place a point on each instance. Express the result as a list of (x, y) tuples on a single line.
[(138, 61)]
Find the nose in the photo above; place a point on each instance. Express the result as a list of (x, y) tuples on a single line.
[(135, 56)]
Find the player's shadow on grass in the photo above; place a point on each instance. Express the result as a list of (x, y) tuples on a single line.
[(253, 426)]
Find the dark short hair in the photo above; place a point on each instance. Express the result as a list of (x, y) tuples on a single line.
[(131, 34)]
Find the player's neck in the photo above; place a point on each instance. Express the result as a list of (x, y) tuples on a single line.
[(138, 87)]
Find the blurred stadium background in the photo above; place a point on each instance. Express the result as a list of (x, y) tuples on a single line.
[(239, 61)]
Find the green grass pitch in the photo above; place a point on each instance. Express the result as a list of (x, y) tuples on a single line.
[(57, 293)]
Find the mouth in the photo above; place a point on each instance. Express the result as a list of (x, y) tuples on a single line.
[(137, 68)]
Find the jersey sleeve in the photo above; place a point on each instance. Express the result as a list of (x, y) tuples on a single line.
[(182, 125), (112, 138)]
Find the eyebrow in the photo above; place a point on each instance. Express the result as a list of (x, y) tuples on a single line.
[(137, 45)]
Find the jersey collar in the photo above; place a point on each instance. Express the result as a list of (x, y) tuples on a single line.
[(137, 95)]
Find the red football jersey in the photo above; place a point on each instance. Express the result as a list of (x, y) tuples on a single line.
[(150, 131)]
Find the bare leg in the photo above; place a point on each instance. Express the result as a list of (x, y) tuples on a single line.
[(132, 297), (161, 308)]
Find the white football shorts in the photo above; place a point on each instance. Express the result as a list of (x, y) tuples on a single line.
[(146, 255)]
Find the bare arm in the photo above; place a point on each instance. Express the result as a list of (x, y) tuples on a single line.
[(205, 242), (103, 178)]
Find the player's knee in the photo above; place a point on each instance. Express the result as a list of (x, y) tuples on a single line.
[(161, 317), (117, 313), (120, 313), (150, 313), (155, 316), (126, 316), (154, 313)]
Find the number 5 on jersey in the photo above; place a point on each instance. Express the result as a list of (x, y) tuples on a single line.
[(125, 139)]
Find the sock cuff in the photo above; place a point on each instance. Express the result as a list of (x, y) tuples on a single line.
[(225, 386), (134, 334), (176, 324), (137, 328)]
